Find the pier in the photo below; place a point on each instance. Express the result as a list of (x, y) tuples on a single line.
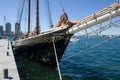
[(8, 68)]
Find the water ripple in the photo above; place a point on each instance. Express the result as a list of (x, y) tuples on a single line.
[(100, 63)]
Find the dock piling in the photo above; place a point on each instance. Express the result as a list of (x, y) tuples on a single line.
[(6, 73)]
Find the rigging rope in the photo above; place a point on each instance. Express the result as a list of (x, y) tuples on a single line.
[(57, 59), (115, 23), (100, 29), (96, 45), (60, 4), (103, 28), (87, 40), (21, 12)]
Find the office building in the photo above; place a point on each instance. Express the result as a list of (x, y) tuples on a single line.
[(1, 30), (17, 28), (8, 27)]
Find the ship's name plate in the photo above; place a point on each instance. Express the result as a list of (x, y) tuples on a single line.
[(47, 39)]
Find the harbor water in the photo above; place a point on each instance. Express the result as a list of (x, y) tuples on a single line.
[(101, 62), (80, 61)]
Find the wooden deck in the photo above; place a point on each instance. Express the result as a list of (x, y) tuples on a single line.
[(8, 69)]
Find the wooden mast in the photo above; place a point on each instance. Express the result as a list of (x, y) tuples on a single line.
[(28, 16), (37, 17)]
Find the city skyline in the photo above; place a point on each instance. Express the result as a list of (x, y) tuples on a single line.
[(5, 27), (7, 32)]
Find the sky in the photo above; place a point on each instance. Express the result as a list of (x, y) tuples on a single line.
[(76, 10)]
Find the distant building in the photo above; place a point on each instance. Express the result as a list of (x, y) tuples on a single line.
[(17, 28), (1, 30), (0, 36), (8, 27), (7, 33)]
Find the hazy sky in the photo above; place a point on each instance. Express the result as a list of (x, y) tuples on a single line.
[(76, 10)]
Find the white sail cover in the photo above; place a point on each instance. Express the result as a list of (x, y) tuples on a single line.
[(105, 14)]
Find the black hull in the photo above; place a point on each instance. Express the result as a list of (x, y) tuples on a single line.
[(43, 50)]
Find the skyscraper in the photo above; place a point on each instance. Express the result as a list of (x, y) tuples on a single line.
[(1, 30), (17, 28), (8, 27)]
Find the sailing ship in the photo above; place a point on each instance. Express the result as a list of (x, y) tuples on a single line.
[(42, 46), (39, 45)]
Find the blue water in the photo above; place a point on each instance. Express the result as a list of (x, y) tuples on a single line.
[(100, 63)]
